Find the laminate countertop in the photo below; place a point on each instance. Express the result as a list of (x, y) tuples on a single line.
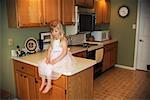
[(81, 63)]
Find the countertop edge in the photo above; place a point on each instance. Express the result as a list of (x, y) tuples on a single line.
[(93, 62)]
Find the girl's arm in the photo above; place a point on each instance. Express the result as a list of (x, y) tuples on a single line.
[(48, 55), (64, 52)]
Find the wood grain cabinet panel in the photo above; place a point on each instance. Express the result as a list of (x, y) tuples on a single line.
[(102, 9), (27, 86), (37, 13), (51, 10), (32, 13), (85, 3), (110, 55), (56, 92), (24, 13), (68, 12)]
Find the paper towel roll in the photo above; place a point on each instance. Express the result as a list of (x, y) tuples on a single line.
[(13, 53)]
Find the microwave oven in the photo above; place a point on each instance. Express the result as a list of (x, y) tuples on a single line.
[(86, 22), (101, 35)]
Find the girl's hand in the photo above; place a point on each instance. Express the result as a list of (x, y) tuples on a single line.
[(53, 62), (47, 61)]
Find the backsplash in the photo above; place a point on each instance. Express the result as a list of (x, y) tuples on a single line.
[(76, 39)]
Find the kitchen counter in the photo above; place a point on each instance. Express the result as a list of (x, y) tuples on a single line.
[(108, 42), (80, 48), (26, 72), (81, 63), (102, 43)]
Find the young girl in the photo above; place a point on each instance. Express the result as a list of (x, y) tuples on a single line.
[(58, 57)]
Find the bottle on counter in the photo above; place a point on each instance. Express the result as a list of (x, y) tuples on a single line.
[(18, 51)]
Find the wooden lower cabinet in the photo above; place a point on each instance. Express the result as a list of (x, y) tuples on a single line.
[(110, 56), (78, 86), (25, 86), (56, 93)]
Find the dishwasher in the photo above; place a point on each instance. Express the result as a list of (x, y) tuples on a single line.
[(98, 66)]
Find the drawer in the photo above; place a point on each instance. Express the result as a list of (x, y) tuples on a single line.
[(25, 68), (110, 46), (114, 45), (61, 82)]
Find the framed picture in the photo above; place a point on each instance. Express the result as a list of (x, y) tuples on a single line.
[(45, 37)]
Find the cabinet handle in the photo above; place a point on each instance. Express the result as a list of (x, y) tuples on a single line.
[(45, 22), (36, 81), (22, 67), (41, 23), (21, 75), (25, 76)]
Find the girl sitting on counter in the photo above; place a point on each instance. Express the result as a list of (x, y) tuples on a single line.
[(58, 59)]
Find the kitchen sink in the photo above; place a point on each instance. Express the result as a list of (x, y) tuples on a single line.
[(84, 45)]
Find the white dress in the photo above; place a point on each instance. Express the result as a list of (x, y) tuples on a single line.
[(50, 71)]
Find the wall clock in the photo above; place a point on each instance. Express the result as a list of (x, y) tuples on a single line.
[(123, 11)]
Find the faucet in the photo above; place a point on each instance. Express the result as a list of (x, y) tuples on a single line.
[(69, 40)]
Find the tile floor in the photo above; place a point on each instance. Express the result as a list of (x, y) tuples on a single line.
[(122, 84)]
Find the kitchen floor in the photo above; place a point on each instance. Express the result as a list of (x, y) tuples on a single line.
[(122, 84)]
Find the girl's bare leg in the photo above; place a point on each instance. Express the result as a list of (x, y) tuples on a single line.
[(48, 86), (43, 84)]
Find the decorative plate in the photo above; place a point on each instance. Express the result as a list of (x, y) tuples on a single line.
[(31, 45)]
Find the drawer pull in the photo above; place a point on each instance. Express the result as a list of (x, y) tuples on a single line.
[(25, 76), (22, 67), (36, 81), (21, 75)]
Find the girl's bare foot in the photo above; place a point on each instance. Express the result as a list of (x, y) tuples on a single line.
[(47, 88), (42, 86)]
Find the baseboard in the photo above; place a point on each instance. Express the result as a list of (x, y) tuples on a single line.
[(125, 67)]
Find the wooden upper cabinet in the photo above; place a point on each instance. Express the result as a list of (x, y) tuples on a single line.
[(90, 3), (68, 12), (24, 13), (85, 3), (32, 13), (29, 12), (51, 10), (102, 9), (80, 2)]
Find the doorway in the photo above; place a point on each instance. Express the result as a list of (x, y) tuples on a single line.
[(142, 54)]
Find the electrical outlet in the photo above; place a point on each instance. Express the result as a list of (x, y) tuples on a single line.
[(10, 41), (134, 26)]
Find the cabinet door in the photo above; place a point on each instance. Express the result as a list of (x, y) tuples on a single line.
[(56, 93), (102, 9), (80, 2), (85, 3), (113, 59), (106, 60), (68, 12), (29, 13), (89, 3), (25, 86), (51, 10)]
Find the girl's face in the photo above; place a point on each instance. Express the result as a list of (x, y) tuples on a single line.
[(55, 33)]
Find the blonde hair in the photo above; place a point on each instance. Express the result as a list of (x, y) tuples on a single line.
[(58, 25)]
